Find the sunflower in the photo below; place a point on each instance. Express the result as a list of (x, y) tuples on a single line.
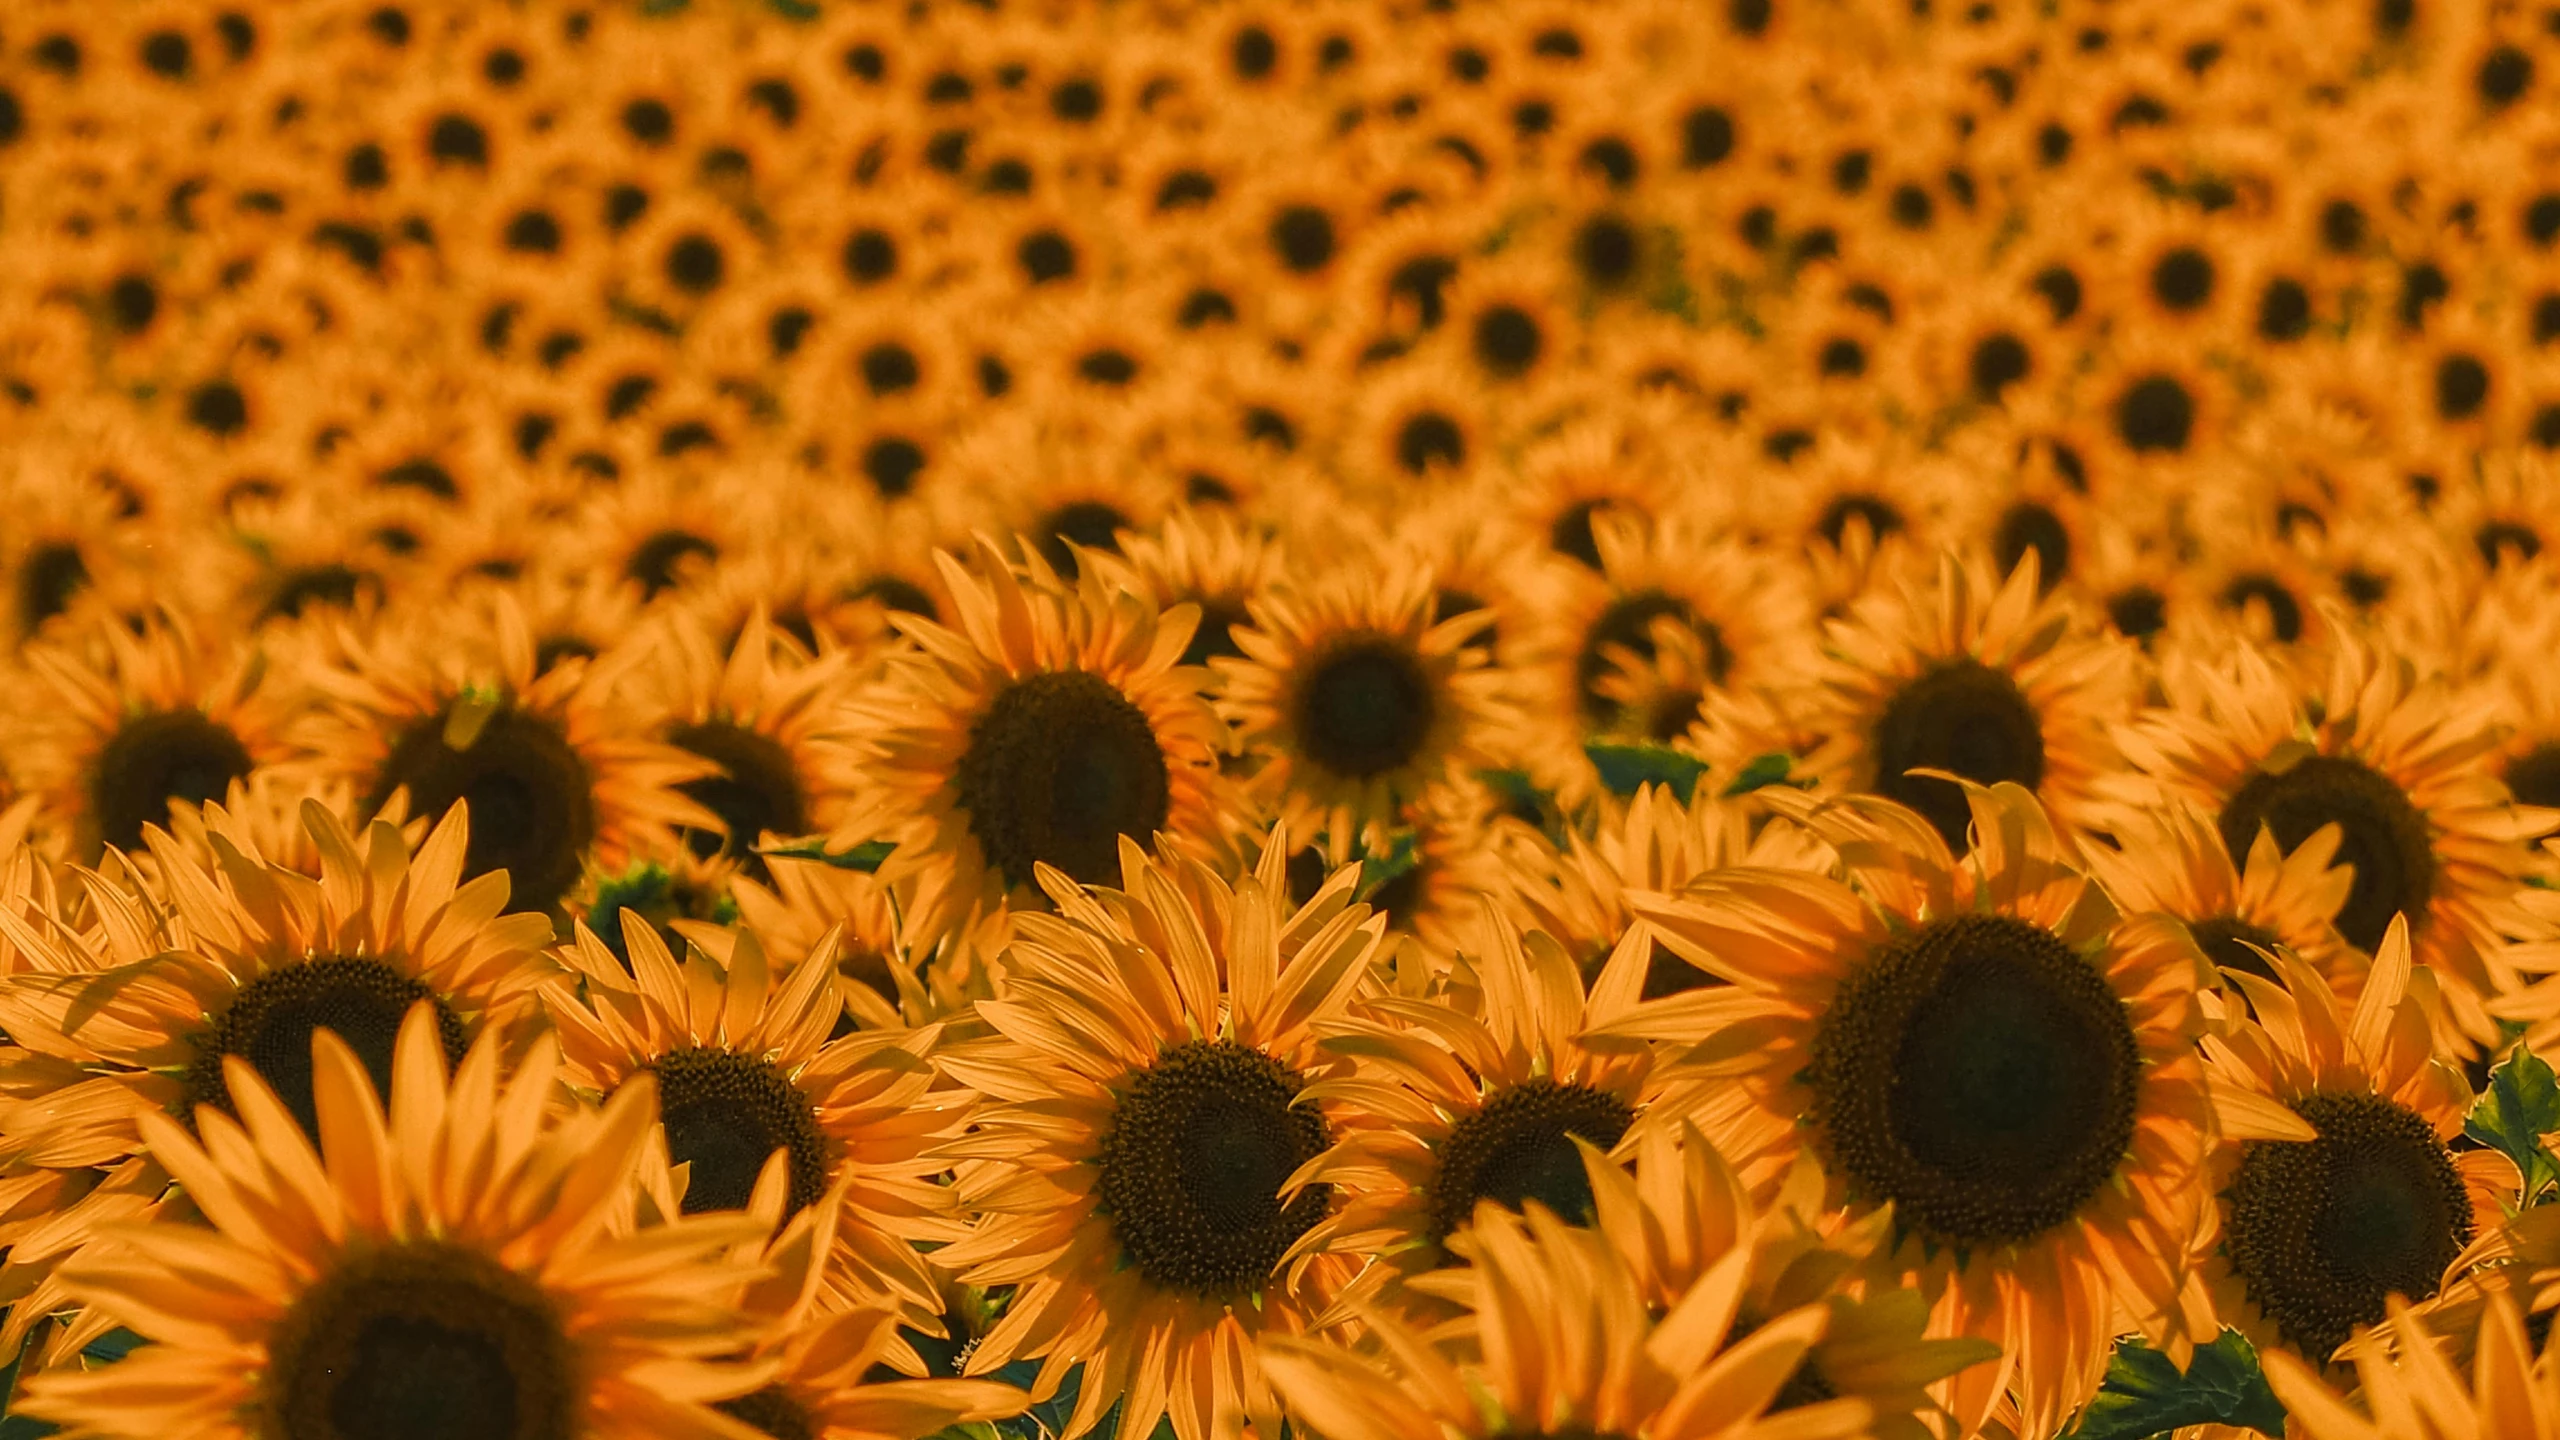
[(1210, 558), (1976, 676), (1743, 612), (887, 982), (2397, 761), (1487, 1088), (2335, 1187), (1356, 699), (1136, 1170), (561, 779), (1559, 1340), (132, 724), (764, 713), (460, 1249), (1051, 722), (2047, 1131), (750, 1083), (2419, 1395), (236, 956), (2168, 859)]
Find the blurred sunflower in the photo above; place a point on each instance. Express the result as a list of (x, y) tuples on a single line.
[(1050, 724), (2170, 859), (2418, 1393), (1356, 699), (132, 724), (559, 777)]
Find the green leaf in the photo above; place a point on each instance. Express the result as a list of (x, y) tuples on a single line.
[(2521, 1105), (1377, 870), (865, 857), (2144, 1395), (1774, 768), (112, 1346), (1628, 768)]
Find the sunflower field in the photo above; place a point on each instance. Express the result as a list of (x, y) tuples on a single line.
[(1309, 719)]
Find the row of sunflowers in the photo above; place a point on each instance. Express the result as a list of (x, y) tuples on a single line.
[(1345, 719)]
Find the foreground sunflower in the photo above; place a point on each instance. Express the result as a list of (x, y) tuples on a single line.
[(2336, 1189), (747, 1075), (1488, 1088), (460, 1263), (1135, 1167), (1357, 700), (1974, 674), (2415, 1393), (2394, 759), (559, 778), (144, 1012), (1051, 723), (1559, 1341), (1985, 1046)]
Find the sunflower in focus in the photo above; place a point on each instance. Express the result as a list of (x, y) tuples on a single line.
[(374, 1273), (1489, 1090), (1138, 1171), (238, 959), (1985, 1046), (1357, 699), (2336, 1189), (1052, 723), (751, 1078)]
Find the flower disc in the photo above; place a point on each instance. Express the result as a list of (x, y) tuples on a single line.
[(533, 810), (1519, 1147), (1365, 707), (154, 759), (2322, 1231), (421, 1341), (1193, 1163), (773, 1411), (2385, 837), (726, 1113), (1058, 769), (1964, 717), (760, 790), (270, 1021), (1981, 1076)]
